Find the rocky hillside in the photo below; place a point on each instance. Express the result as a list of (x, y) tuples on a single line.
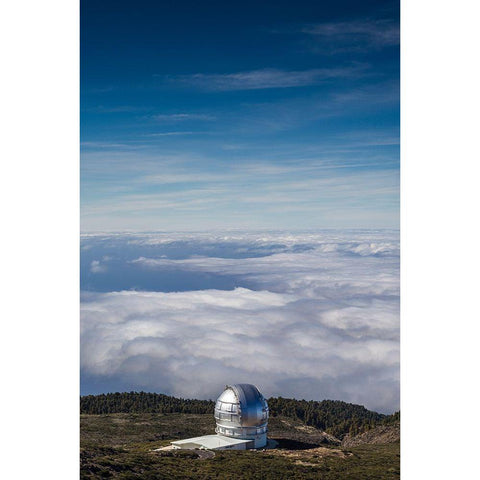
[(124, 446), (380, 435)]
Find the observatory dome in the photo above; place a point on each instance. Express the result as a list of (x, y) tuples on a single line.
[(241, 412)]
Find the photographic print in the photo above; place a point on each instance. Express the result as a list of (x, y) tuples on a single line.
[(240, 244)]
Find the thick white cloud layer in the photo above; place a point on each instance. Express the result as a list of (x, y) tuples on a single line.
[(322, 322)]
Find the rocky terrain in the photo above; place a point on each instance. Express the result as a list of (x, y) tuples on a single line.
[(376, 436), (125, 446)]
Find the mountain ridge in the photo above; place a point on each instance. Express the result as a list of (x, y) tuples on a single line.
[(335, 417)]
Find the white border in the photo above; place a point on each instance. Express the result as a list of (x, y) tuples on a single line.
[(439, 221), (40, 237)]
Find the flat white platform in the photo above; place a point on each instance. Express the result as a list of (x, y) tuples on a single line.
[(213, 442)]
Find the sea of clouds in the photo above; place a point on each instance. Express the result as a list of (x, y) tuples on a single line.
[(311, 315)]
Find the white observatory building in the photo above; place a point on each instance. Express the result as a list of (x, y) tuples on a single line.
[(241, 413)]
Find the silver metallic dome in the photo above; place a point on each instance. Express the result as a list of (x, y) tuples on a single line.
[(241, 411)]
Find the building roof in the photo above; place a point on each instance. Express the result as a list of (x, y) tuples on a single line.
[(241, 405), (210, 441)]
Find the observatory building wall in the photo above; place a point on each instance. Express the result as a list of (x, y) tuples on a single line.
[(241, 414)]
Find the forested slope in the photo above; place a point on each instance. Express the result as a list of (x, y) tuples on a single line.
[(335, 417)]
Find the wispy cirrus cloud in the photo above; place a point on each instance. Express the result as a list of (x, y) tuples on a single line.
[(354, 35), (181, 117), (103, 145), (174, 190), (172, 134), (265, 78)]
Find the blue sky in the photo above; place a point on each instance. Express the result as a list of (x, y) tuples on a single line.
[(249, 115)]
